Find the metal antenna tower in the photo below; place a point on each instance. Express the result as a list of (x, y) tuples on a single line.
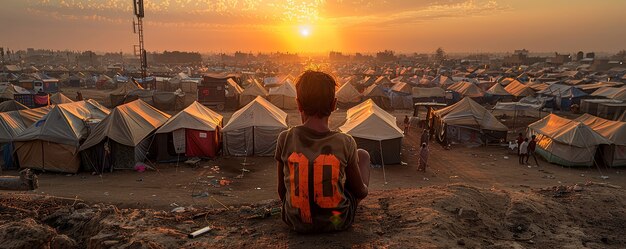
[(140, 50)]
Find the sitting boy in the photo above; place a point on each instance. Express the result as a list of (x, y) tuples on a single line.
[(322, 176)]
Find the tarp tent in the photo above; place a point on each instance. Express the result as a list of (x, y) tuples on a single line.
[(59, 98), (466, 89), (253, 129), (566, 142), (193, 132), (376, 131), (401, 96), (518, 89), (11, 105), (591, 105), (125, 134), (250, 93), (283, 96), (613, 154), (513, 109), (468, 122), (378, 95), (12, 124), (497, 93), (8, 91), (616, 93), (52, 143), (564, 95)]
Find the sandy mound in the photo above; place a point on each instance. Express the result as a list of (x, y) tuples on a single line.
[(435, 217)]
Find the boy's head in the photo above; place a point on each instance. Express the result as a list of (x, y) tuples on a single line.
[(316, 94)]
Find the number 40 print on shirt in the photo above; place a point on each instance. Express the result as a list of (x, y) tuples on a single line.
[(325, 171)]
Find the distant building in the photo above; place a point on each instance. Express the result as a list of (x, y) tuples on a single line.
[(520, 57)]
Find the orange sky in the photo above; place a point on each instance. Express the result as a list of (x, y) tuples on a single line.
[(339, 25)]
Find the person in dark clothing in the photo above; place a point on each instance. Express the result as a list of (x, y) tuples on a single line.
[(531, 149), (425, 137), (407, 124)]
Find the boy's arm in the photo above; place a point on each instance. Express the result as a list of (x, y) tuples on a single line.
[(281, 182), (354, 181), (279, 166)]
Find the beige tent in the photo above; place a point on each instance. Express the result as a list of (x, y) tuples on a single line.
[(253, 129), (468, 122), (11, 105), (442, 81), (12, 124), (128, 126), (566, 142), (616, 93), (378, 95), (402, 87), (251, 92), (52, 143), (125, 88), (497, 90), (467, 89), (194, 131), (59, 98), (347, 94), (234, 90), (518, 89), (384, 82), (376, 131), (7, 91), (615, 131), (283, 96), (365, 106)]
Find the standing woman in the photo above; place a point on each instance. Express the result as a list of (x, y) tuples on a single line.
[(407, 124), (423, 160)]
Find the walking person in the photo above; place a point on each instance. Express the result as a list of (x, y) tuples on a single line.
[(532, 145), (523, 151), (423, 160), (425, 137), (407, 124)]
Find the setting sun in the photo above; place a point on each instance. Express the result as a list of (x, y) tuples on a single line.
[(305, 31)]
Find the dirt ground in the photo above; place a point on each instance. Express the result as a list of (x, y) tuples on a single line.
[(469, 197)]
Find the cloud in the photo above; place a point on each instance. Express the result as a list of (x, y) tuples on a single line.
[(467, 8), (264, 14)]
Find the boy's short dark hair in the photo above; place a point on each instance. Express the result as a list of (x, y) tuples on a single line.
[(316, 93)]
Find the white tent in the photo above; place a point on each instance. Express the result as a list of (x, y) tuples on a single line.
[(251, 92), (615, 131), (566, 142), (52, 142), (125, 131), (376, 131), (253, 129), (194, 131), (468, 122), (347, 94), (283, 96)]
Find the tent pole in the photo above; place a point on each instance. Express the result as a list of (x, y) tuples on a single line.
[(382, 160), (514, 119)]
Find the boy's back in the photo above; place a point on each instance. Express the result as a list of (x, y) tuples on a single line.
[(314, 168)]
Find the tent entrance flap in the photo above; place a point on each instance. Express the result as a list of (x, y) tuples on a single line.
[(200, 143)]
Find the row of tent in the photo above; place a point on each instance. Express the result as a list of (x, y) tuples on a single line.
[(580, 142), (84, 134)]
